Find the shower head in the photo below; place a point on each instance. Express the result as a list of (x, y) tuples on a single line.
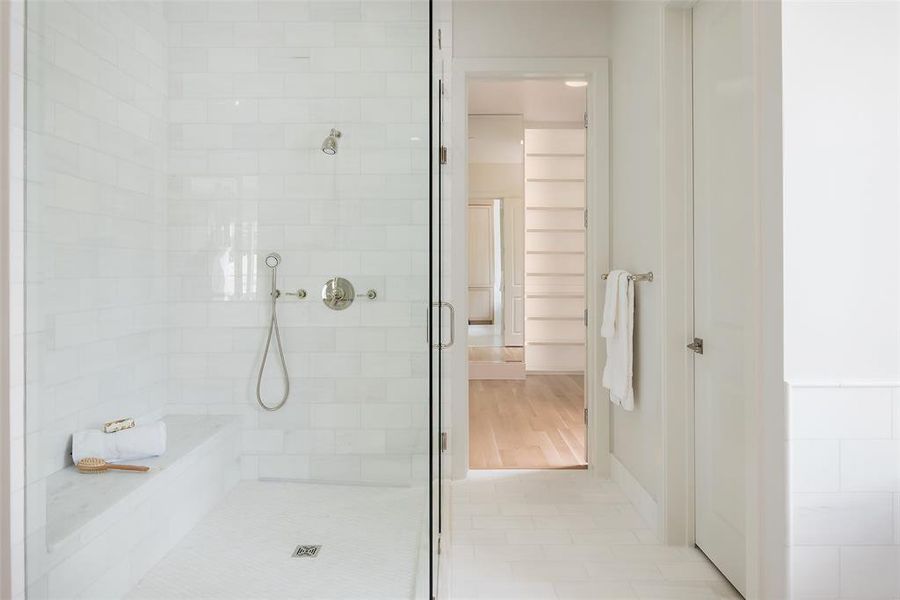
[(273, 260), (329, 146)]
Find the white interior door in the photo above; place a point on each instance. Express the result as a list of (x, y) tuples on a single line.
[(514, 272), (481, 264), (723, 279)]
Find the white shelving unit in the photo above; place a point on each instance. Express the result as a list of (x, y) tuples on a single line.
[(554, 250)]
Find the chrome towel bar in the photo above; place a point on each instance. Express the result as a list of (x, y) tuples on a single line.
[(638, 277)]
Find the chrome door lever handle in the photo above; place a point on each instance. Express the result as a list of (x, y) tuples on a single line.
[(441, 345)]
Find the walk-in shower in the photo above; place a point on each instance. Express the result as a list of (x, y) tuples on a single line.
[(178, 204)]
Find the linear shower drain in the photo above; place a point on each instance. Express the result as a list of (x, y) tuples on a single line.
[(306, 551)]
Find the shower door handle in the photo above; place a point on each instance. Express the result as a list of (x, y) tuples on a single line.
[(440, 306)]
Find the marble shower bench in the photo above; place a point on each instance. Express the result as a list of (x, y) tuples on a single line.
[(105, 531)]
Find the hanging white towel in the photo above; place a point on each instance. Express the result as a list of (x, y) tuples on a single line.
[(618, 329), (138, 442)]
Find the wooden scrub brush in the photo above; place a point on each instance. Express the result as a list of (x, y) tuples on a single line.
[(98, 465)]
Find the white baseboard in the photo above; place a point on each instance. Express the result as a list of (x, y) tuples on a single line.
[(635, 492)]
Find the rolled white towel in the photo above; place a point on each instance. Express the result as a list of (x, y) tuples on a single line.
[(138, 442)]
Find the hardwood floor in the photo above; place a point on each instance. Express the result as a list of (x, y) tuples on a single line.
[(537, 423)]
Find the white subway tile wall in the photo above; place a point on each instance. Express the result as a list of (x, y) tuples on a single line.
[(845, 491), (254, 88), (172, 146), (96, 220)]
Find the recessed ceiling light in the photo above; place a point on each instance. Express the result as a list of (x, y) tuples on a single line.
[(577, 83)]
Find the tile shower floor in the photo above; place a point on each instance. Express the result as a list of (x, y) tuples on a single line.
[(565, 534), (242, 549)]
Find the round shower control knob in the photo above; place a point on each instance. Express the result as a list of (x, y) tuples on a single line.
[(338, 293)]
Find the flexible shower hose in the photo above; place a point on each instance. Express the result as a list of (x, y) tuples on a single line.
[(273, 327)]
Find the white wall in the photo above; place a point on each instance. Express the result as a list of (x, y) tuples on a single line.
[(842, 294), (495, 155), (636, 229), (546, 28), (628, 33), (841, 155)]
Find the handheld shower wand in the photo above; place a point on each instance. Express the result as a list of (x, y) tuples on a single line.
[(272, 261)]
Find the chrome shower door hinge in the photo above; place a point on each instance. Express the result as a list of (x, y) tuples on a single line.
[(443, 155), (445, 441), (696, 346)]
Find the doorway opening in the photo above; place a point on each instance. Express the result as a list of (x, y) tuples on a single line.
[(526, 273)]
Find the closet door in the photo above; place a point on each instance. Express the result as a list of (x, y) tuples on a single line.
[(481, 264), (724, 292)]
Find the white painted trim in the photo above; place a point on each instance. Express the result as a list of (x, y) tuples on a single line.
[(768, 501), (636, 494), (676, 500), (596, 70)]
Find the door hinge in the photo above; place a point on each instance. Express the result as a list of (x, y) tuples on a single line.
[(585, 416), (696, 345), (445, 441), (585, 120), (585, 218), (443, 155), (585, 317), (440, 40)]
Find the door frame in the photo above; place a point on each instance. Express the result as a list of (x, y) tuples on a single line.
[(766, 471), (596, 71), (12, 492)]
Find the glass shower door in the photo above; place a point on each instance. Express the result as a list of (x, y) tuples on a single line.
[(172, 146)]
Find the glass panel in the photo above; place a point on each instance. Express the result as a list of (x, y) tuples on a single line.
[(173, 146)]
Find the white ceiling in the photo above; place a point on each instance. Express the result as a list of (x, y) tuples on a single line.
[(536, 100)]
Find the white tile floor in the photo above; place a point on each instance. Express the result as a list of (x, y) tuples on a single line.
[(242, 549), (564, 534)]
